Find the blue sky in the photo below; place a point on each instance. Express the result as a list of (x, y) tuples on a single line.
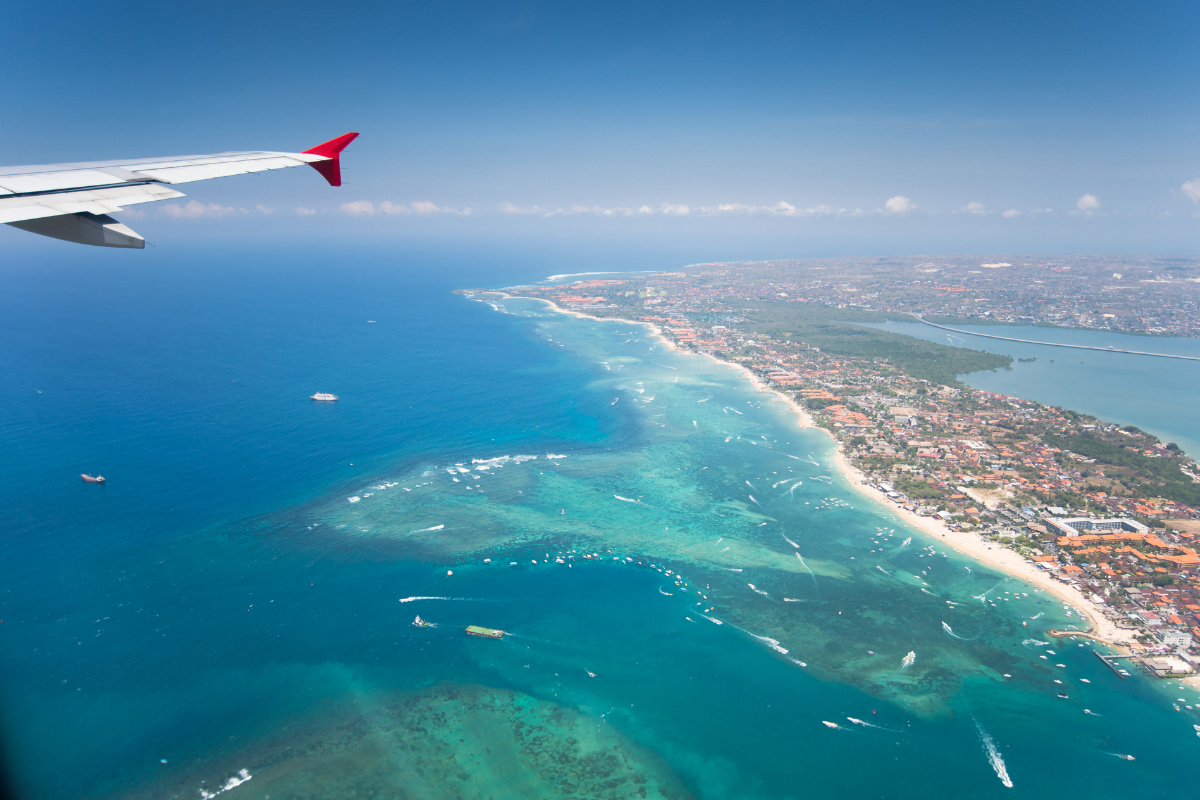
[(763, 129)]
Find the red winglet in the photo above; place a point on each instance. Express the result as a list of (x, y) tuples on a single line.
[(331, 170)]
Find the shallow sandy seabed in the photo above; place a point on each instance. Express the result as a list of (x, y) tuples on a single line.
[(450, 741)]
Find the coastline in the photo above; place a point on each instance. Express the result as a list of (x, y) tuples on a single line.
[(802, 416), (969, 544), (995, 556)]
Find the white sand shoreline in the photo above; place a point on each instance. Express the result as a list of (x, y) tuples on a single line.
[(970, 544)]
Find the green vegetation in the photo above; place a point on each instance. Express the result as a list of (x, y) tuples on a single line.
[(1151, 477), (831, 330)]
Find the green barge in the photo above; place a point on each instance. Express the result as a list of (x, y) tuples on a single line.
[(487, 633)]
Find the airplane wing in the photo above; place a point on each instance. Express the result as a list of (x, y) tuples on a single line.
[(73, 201)]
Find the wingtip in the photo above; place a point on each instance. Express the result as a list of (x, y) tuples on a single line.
[(331, 170), (333, 147)]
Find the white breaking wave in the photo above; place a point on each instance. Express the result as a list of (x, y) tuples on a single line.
[(500, 461), (354, 499), (769, 642), (730, 569), (234, 782), (554, 456), (427, 530), (993, 755)]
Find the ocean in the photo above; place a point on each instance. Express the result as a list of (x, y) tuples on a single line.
[(696, 603)]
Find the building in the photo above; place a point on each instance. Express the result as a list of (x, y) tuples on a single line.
[(1071, 527), (1174, 638)]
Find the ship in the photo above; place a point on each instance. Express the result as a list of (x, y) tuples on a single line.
[(323, 396), (422, 623), (90, 479), (487, 633)]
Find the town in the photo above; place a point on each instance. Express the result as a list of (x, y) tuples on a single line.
[(1109, 510)]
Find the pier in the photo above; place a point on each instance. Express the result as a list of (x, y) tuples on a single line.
[(1111, 661)]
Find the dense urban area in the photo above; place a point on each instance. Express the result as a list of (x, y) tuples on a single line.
[(1109, 509)]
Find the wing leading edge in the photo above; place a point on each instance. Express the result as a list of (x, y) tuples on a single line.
[(72, 201)]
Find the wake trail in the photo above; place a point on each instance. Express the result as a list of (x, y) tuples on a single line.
[(413, 599), (866, 724), (993, 756), (950, 631)]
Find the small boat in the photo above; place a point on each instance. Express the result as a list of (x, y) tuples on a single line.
[(90, 479), (323, 396), (487, 633), (1063, 696), (828, 724), (422, 623)]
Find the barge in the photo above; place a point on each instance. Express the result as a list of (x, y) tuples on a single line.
[(487, 633)]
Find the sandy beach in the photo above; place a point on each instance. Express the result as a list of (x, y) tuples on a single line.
[(964, 542), (992, 555)]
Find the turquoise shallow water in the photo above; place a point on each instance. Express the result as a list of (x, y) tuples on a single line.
[(222, 605), (1156, 394)]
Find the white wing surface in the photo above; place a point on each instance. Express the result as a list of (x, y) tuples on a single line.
[(37, 198)]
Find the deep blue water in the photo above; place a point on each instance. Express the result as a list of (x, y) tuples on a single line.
[(189, 609)]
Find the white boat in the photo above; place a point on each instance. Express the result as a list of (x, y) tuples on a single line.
[(323, 396)]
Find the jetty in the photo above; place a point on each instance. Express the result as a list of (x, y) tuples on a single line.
[(1111, 660)]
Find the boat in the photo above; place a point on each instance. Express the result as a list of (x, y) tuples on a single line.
[(422, 623), (90, 479), (323, 396), (487, 633), (1063, 696), (908, 659)]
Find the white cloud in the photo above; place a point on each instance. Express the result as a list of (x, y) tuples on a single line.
[(509, 208), (195, 210), (359, 208), (301, 211), (780, 209), (975, 208), (365, 208), (899, 205), (261, 209), (1012, 212), (1087, 203), (1192, 190)]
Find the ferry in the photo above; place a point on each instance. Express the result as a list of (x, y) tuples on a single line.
[(487, 633), (90, 479), (323, 396)]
